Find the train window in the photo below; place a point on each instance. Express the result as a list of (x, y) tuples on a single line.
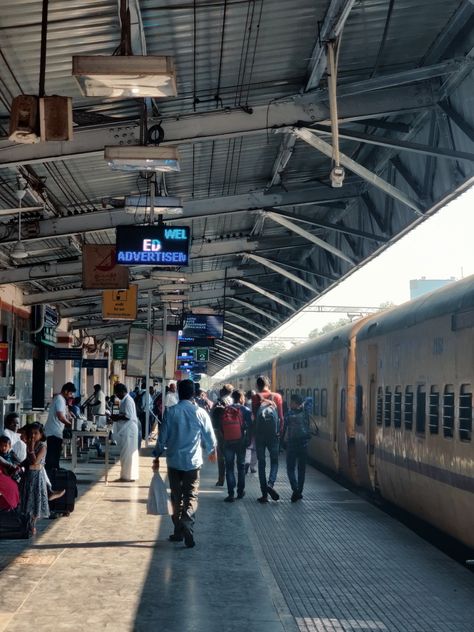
[(359, 399), (448, 411), (397, 407), (408, 408), (308, 393), (324, 402), (434, 410), (465, 413), (388, 406), (342, 414), (297, 391), (316, 410), (421, 410), (379, 406)]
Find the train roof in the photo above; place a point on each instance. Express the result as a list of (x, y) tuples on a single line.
[(455, 297)]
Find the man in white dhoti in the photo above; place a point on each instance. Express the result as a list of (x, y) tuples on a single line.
[(127, 435)]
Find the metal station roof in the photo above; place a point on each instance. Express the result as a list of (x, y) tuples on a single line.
[(251, 120)]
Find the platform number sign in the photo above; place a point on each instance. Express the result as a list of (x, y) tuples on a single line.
[(202, 355)]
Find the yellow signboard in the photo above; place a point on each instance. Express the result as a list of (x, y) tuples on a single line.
[(120, 304)]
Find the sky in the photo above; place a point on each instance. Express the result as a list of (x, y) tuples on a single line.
[(441, 247)]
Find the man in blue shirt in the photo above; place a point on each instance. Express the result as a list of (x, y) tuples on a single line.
[(183, 429)]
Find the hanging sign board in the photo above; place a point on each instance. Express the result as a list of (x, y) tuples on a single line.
[(120, 304), (95, 363), (152, 245), (201, 354), (119, 351), (65, 353), (138, 349), (100, 270)]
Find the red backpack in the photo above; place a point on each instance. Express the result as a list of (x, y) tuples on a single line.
[(232, 423)]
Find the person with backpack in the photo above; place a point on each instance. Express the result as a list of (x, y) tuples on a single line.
[(297, 437), (235, 424), (267, 410), (224, 400)]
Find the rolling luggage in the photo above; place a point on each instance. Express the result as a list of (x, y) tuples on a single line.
[(15, 525), (63, 479)]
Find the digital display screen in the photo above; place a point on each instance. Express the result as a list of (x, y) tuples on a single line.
[(202, 326), (152, 245)]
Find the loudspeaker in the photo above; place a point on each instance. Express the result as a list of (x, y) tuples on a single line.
[(55, 118), (24, 119)]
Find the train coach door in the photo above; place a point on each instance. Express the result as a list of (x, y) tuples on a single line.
[(333, 410), (372, 408)]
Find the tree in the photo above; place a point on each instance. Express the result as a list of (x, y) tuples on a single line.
[(263, 352), (315, 333)]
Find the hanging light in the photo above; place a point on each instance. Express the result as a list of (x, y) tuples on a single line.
[(142, 158), (19, 250)]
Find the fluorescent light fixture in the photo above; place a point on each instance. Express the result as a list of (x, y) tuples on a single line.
[(162, 205), (125, 76), (19, 251), (142, 158)]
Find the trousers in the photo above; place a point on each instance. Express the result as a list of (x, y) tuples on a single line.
[(273, 447), (184, 487), (53, 453)]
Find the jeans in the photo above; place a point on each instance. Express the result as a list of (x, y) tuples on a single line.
[(296, 459), (53, 454), (272, 445), (234, 450), (184, 487), (220, 456)]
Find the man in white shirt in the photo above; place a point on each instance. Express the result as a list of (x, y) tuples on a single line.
[(58, 418), (11, 426), (127, 435), (98, 406), (171, 398)]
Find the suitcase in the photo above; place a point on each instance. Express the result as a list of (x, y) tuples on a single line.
[(63, 479), (15, 525)]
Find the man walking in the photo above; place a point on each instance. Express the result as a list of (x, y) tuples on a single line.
[(183, 429), (236, 422), (297, 436), (224, 400), (58, 419), (267, 409)]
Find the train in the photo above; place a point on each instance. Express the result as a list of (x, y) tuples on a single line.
[(390, 399)]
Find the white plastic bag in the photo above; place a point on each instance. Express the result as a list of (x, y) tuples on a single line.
[(158, 503)]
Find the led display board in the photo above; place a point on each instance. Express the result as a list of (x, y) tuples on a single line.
[(202, 326), (152, 245)]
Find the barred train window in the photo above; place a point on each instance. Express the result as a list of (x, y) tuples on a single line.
[(324, 402), (342, 412), (434, 410), (421, 409), (388, 406), (316, 410), (448, 411), (397, 407), (379, 414), (359, 401), (408, 408), (465, 413)]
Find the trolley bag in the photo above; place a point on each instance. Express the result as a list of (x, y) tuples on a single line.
[(63, 479), (15, 525), (232, 423)]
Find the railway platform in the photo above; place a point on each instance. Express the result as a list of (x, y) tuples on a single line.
[(329, 563)]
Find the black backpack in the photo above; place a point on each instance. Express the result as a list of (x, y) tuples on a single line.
[(298, 427), (267, 420), (217, 413)]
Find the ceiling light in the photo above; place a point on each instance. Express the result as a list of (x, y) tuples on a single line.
[(19, 251), (125, 76), (142, 158), (162, 205)]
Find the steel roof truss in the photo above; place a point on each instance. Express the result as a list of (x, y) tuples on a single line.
[(279, 270)]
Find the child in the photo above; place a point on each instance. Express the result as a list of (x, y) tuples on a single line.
[(8, 460), (297, 436), (34, 497)]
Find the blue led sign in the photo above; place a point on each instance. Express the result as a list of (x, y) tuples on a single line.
[(152, 245)]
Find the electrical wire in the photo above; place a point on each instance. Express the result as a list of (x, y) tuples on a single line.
[(219, 76), (249, 82)]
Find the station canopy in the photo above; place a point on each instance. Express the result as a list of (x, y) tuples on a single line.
[(251, 123)]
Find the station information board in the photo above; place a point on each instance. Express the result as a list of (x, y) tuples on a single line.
[(152, 245)]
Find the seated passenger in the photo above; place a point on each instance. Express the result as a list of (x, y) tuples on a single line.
[(11, 430), (9, 462), (9, 493)]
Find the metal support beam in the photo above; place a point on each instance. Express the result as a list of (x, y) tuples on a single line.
[(402, 145), (248, 320), (458, 120), (223, 125), (246, 331), (355, 167), (234, 334), (408, 176), (279, 270), (231, 345), (266, 293), (309, 236), (255, 309)]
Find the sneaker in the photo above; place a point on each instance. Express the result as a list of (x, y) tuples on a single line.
[(273, 494), (262, 499), (241, 494), (189, 539), (229, 499), (175, 537)]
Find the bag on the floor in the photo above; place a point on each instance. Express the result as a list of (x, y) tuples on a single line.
[(15, 525), (232, 423), (158, 503), (63, 479)]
